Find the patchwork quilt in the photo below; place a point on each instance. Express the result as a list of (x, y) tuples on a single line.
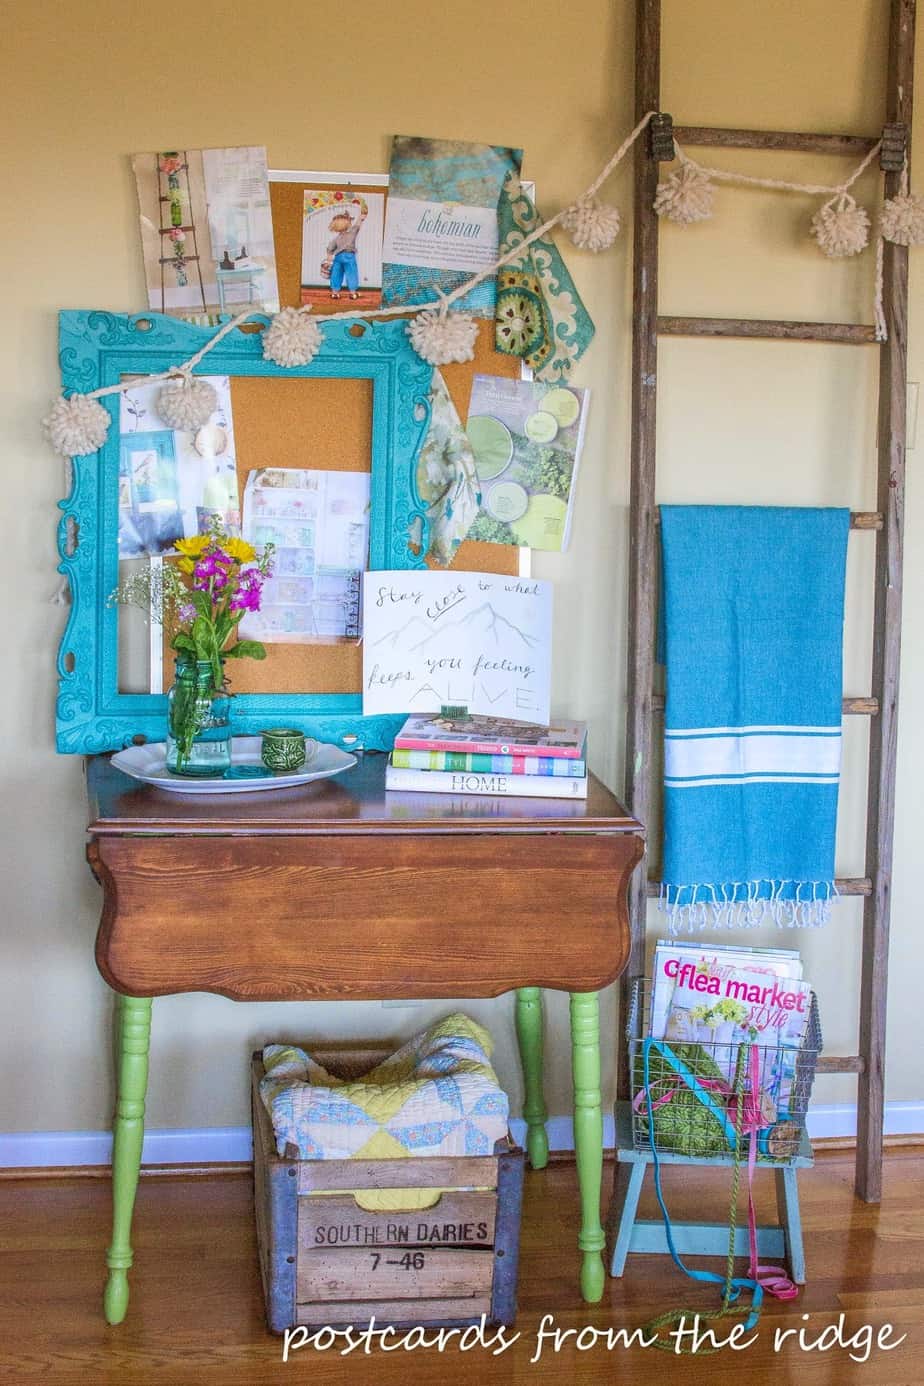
[(438, 1095)]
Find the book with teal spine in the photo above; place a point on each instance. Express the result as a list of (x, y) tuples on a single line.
[(472, 762)]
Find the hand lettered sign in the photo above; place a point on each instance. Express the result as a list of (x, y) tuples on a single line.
[(482, 640)]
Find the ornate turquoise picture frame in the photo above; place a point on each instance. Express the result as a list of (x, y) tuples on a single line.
[(98, 349)]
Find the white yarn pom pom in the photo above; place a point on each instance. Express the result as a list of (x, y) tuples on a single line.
[(76, 426), (186, 402), (902, 219), (592, 225), (440, 337), (292, 339), (841, 227), (686, 196)]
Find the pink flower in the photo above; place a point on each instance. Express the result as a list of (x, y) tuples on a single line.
[(249, 591), (212, 568)]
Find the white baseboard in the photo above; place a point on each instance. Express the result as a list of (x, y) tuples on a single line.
[(198, 1146), (901, 1119), (232, 1144)]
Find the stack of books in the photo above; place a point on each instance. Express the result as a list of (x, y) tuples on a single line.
[(485, 755)]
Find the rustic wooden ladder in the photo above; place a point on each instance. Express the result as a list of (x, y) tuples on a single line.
[(886, 522)]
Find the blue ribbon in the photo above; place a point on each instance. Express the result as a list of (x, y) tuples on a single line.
[(686, 1075), (732, 1286)]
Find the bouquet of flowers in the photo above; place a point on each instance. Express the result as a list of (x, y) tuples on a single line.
[(226, 580), (202, 597)]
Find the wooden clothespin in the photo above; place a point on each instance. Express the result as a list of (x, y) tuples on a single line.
[(661, 138), (894, 147)]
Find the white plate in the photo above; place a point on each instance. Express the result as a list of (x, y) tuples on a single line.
[(149, 764)]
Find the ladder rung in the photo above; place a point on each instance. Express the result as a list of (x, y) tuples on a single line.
[(853, 1063), (715, 138), (846, 333), (171, 260), (165, 230), (846, 885), (859, 519), (855, 707)]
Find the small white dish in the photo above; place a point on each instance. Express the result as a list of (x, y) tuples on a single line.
[(149, 764)]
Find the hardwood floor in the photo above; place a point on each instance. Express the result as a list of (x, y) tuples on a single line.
[(196, 1316)]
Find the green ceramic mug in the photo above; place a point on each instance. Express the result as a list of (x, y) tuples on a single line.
[(284, 748)]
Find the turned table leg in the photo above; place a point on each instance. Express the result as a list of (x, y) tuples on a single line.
[(588, 1137), (133, 1021), (529, 1038)]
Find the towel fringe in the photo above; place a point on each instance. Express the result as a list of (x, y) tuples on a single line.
[(747, 904)]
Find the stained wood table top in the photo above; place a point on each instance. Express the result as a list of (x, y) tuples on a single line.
[(341, 889), (355, 802)]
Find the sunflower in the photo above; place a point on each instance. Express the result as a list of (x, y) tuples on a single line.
[(239, 550), (191, 549), (194, 547)]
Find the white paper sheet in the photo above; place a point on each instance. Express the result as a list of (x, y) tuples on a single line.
[(478, 639), (319, 523), (173, 481)]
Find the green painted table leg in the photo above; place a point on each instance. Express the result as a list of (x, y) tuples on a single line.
[(529, 1038), (588, 1137), (133, 1020)]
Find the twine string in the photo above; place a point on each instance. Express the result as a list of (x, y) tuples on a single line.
[(724, 175)]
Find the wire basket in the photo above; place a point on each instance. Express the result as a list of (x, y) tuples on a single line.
[(692, 1086)]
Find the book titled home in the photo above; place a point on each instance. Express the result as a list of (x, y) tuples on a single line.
[(463, 782)]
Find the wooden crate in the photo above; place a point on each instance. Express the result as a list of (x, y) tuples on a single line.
[(326, 1260)]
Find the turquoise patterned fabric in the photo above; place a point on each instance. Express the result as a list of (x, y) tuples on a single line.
[(457, 174), (539, 315), (447, 481)]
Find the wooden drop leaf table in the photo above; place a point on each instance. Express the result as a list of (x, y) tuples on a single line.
[(341, 890)]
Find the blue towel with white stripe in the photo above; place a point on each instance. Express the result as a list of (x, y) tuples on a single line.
[(752, 624)]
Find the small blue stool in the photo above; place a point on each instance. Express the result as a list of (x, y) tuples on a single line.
[(696, 1238)]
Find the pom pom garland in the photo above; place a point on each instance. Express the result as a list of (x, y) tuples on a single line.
[(186, 401), (841, 227), (76, 425), (440, 337), (686, 197), (592, 225), (902, 219), (292, 339)]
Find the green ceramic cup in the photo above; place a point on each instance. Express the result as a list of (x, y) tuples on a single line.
[(284, 748)]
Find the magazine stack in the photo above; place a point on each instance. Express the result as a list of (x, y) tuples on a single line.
[(722, 1020), (487, 755)]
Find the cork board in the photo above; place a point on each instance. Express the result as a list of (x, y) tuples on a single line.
[(328, 424)]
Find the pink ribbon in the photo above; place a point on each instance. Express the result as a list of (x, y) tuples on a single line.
[(773, 1278), (710, 1084)]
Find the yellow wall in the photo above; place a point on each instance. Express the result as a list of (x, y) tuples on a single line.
[(89, 82)]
